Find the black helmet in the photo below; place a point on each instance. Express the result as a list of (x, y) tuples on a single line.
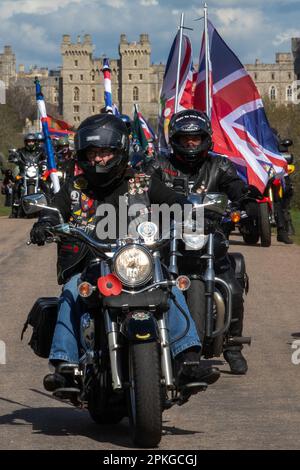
[(30, 141), (190, 122), (103, 131)]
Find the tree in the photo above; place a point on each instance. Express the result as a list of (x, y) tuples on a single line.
[(286, 119)]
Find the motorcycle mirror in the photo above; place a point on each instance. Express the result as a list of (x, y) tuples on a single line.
[(216, 202), (34, 203), (286, 142)]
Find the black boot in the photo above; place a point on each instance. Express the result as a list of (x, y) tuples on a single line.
[(189, 371), (283, 236), (237, 362), (62, 380)]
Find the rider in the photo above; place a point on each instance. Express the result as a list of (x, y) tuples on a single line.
[(193, 167), (25, 154), (102, 147), (65, 156)]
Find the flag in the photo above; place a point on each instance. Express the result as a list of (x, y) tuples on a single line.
[(143, 132), (241, 129), (168, 91), (48, 143), (110, 107), (58, 127)]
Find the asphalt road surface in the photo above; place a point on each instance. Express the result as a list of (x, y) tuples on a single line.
[(258, 411)]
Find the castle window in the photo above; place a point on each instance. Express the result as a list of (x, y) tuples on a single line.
[(289, 93), (130, 77), (255, 76), (81, 77), (273, 93), (93, 94), (76, 94), (93, 109), (93, 77), (273, 76), (71, 77), (141, 76), (76, 109), (135, 63), (290, 76), (135, 93), (76, 63)]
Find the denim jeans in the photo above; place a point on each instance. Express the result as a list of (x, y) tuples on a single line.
[(66, 340)]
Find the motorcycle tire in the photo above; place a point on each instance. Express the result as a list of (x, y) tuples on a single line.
[(196, 303), (145, 394), (251, 238), (264, 225)]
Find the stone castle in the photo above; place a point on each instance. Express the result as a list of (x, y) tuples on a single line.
[(78, 91)]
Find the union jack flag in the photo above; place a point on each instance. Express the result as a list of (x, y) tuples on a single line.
[(143, 132), (241, 130), (168, 91)]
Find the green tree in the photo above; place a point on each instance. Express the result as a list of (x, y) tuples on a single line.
[(286, 119)]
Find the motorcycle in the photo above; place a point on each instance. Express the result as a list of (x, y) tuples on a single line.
[(252, 229), (126, 354), (209, 297), (29, 180)]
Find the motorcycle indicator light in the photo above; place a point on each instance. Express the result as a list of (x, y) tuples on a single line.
[(109, 285), (235, 217), (183, 283), (85, 289), (18, 177)]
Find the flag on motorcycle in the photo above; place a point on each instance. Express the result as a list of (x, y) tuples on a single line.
[(240, 125), (110, 107), (48, 143), (168, 91), (143, 132)]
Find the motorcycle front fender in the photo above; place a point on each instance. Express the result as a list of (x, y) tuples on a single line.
[(140, 326)]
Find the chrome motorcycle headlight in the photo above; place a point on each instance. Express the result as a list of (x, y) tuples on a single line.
[(133, 265), (194, 241), (31, 172)]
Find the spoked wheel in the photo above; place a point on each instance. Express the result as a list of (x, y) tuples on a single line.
[(144, 394)]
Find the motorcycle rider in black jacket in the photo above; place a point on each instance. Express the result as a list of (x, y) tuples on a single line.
[(102, 146), (192, 167)]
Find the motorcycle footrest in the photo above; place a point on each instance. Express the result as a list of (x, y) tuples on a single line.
[(66, 368), (238, 340), (66, 392), (195, 386)]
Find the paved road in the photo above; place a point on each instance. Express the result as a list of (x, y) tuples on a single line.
[(258, 411)]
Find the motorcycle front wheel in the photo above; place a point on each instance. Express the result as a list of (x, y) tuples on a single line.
[(145, 394)]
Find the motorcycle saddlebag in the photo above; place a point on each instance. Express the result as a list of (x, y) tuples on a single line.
[(42, 317)]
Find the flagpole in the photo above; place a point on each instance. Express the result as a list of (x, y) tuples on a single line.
[(179, 62), (207, 88)]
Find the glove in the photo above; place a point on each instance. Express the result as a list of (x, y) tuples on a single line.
[(251, 208), (38, 233)]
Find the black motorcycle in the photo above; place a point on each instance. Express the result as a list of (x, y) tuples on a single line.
[(126, 368), (29, 180), (209, 297)]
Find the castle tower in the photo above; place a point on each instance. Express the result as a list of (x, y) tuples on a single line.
[(134, 73), (76, 78), (7, 65)]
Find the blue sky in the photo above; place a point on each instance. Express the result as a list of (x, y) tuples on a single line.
[(253, 29)]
